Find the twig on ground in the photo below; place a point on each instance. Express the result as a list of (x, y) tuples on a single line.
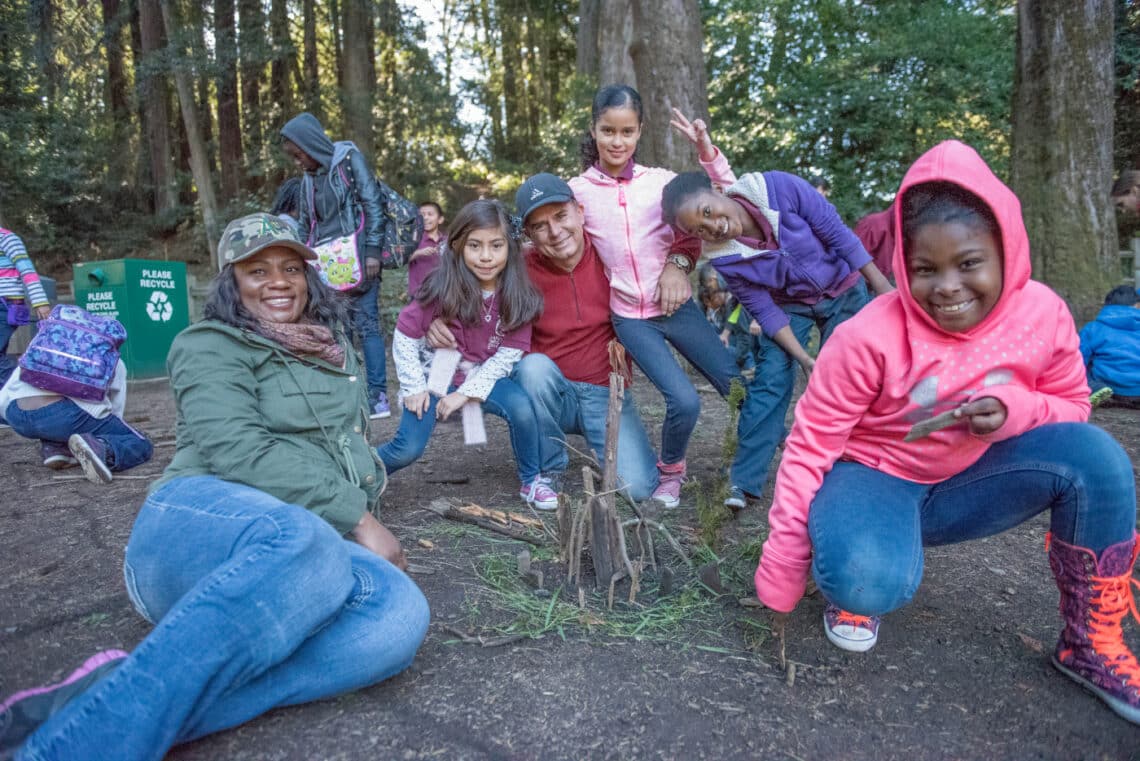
[(489, 642)]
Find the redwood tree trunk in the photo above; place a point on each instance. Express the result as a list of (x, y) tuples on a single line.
[(615, 34), (119, 108), (359, 74), (1062, 144), (251, 42), (152, 92), (668, 58), (229, 117)]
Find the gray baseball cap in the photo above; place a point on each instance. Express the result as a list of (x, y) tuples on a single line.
[(540, 190), (246, 236)]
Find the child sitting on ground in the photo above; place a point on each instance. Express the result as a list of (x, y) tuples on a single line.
[(85, 429), (986, 362), (1110, 345)]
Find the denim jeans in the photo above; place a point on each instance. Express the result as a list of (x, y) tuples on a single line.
[(258, 604), (647, 341), (761, 427), (868, 528), (506, 400), (55, 423), (563, 407), (366, 325)]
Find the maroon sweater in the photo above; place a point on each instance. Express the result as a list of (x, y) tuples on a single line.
[(574, 329)]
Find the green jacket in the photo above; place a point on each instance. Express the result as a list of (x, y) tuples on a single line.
[(252, 413)]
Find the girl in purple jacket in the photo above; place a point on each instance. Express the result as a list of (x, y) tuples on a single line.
[(788, 257)]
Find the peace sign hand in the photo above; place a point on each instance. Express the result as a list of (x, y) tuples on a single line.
[(697, 133)]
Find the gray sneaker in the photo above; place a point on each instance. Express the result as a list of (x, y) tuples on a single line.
[(736, 499)]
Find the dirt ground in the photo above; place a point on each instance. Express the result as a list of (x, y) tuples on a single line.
[(961, 673)]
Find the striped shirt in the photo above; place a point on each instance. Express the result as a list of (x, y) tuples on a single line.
[(18, 278)]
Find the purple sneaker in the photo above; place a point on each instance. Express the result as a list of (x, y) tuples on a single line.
[(92, 456), (57, 456), (24, 712), (381, 409), (847, 631)]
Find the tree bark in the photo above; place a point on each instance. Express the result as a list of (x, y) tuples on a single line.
[(229, 117), (152, 92), (615, 34), (586, 57), (311, 79), (1062, 144), (359, 74), (118, 103), (199, 157), (668, 57), (251, 51), (280, 93)]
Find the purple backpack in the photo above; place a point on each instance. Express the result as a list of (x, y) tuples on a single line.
[(75, 353)]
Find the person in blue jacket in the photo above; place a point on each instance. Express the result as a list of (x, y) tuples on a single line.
[(1110, 345)]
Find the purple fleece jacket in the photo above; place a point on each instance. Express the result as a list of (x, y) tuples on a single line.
[(817, 255)]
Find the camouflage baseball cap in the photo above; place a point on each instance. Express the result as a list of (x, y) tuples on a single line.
[(246, 236)]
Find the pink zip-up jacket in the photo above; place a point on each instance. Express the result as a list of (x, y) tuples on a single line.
[(624, 222), (891, 366)]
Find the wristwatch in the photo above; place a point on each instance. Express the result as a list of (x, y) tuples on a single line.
[(681, 261)]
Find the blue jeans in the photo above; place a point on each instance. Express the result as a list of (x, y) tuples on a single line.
[(7, 363), (506, 400), (868, 528), (257, 603), (647, 341), (366, 325), (761, 427), (55, 423), (565, 407)]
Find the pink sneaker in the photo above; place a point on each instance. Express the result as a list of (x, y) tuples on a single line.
[(668, 491), (540, 494)]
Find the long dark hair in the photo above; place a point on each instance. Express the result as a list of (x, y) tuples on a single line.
[(611, 96), (939, 203), (326, 306), (454, 288)]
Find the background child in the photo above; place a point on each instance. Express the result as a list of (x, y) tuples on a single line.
[(426, 256), (739, 333), (481, 288), (287, 203), (787, 256), (74, 431), (649, 266), (20, 293), (968, 333), (1110, 345)]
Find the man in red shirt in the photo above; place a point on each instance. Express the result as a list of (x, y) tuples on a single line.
[(567, 375)]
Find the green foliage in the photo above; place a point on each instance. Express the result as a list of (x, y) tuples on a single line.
[(857, 89)]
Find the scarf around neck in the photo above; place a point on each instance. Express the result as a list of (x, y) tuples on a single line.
[(304, 339)]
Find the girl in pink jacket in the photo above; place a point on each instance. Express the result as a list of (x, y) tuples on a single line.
[(650, 292), (993, 357)]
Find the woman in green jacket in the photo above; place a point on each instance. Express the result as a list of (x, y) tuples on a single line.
[(239, 554)]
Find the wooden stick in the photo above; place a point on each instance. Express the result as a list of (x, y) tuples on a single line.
[(444, 510)]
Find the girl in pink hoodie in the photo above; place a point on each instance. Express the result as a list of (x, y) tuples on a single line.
[(650, 292), (970, 340)]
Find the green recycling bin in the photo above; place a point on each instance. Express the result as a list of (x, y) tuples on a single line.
[(149, 297)]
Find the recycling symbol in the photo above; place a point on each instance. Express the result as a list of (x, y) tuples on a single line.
[(159, 308)]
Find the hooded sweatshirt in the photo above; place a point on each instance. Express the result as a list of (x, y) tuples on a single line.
[(891, 366), (342, 190), (1110, 345)]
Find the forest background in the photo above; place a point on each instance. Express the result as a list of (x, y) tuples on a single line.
[(138, 127)]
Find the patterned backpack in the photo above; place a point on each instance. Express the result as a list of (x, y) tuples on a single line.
[(74, 353)]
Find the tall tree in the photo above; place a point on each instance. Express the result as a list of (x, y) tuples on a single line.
[(310, 79), (229, 116), (359, 74), (1062, 143), (118, 102), (153, 93), (251, 53), (282, 60), (199, 158)]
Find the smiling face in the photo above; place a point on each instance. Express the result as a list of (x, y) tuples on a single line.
[(712, 217), (431, 216), (955, 273), (616, 133), (272, 284), (556, 230), (306, 162), (485, 254)]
